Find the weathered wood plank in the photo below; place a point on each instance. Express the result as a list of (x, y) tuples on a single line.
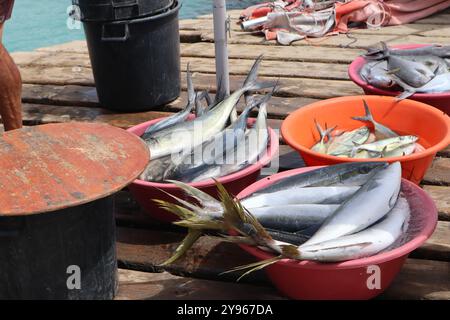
[(85, 96), (41, 114), (135, 285), (289, 53), (439, 172), (438, 18), (438, 246), (271, 68), (421, 279), (288, 87), (441, 197), (360, 41), (145, 250)]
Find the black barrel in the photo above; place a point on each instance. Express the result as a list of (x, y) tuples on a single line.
[(136, 62), (32, 266), (111, 10)]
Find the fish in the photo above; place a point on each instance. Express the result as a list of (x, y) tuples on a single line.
[(436, 64), (413, 73), (186, 135), (177, 117), (361, 244), (405, 150), (440, 83), (156, 169), (322, 146), (344, 174), (242, 154), (199, 108), (343, 144), (283, 237), (381, 131), (293, 217), (214, 148), (433, 50), (368, 205), (375, 73), (386, 146), (310, 195)]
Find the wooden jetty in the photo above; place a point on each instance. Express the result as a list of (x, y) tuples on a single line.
[(59, 87)]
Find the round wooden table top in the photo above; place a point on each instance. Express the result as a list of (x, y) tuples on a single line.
[(50, 167)]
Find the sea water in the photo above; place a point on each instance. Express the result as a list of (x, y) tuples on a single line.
[(41, 23)]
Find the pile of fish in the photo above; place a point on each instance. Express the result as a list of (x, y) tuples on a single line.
[(336, 213), (420, 70), (362, 143), (213, 144)]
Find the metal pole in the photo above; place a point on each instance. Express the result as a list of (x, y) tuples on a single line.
[(220, 43)]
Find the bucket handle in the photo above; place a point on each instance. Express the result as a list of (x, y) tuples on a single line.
[(126, 34)]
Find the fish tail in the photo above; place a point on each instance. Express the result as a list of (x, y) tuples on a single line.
[(404, 95), (202, 197), (185, 245), (253, 266), (368, 117), (221, 93)]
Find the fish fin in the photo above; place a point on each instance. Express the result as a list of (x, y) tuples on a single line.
[(319, 129), (207, 201), (253, 266), (221, 93), (185, 245), (290, 251), (368, 116)]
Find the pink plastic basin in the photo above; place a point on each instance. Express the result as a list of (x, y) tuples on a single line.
[(144, 191), (437, 100), (349, 279)]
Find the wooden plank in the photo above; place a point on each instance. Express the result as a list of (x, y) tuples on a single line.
[(421, 279), (288, 87), (420, 39), (145, 250), (85, 96), (418, 279), (360, 41), (41, 114), (439, 172), (289, 53), (135, 285), (438, 246), (271, 68), (441, 197)]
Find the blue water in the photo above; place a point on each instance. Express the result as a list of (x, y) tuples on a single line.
[(40, 23)]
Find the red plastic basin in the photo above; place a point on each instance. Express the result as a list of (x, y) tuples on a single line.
[(349, 279), (431, 125), (438, 100), (144, 191)]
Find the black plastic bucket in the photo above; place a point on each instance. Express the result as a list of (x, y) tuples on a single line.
[(112, 10), (136, 62)]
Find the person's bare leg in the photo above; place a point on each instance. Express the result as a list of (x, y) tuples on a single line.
[(10, 90)]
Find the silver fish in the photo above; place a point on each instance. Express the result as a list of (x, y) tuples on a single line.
[(310, 195), (177, 117), (216, 147), (436, 64), (242, 154), (440, 83), (435, 50), (185, 135), (369, 204), (345, 174), (375, 73), (199, 108), (381, 131), (343, 144), (361, 244), (294, 217), (386, 146), (413, 73)]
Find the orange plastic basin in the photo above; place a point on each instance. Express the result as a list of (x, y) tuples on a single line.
[(431, 125)]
